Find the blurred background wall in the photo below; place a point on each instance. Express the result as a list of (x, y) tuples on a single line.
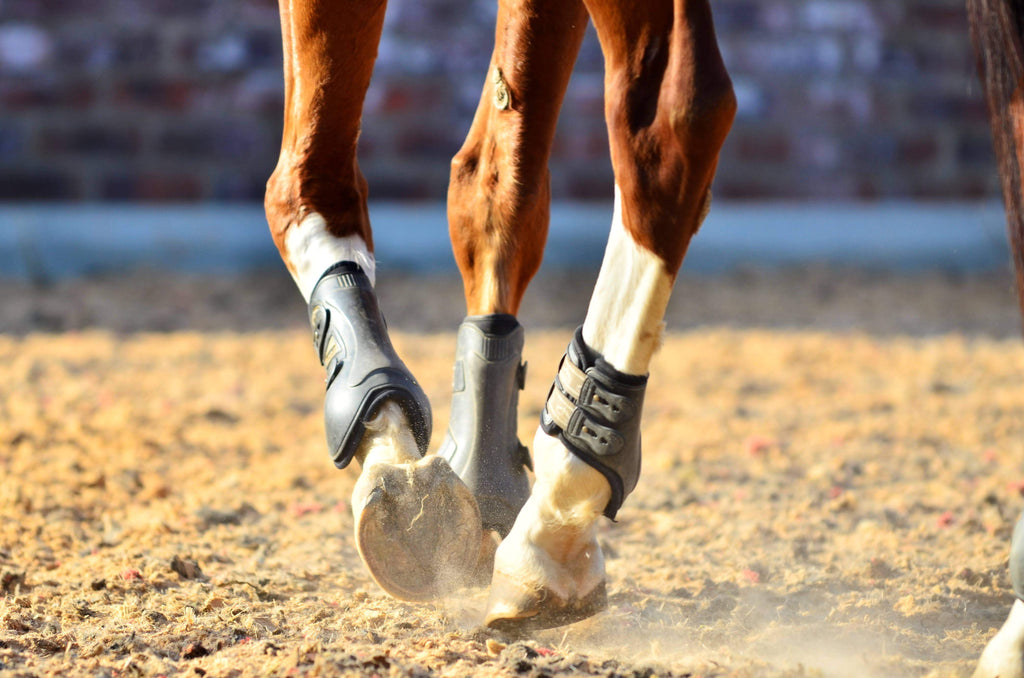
[(180, 100)]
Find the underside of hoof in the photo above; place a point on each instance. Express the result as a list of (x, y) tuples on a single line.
[(417, 528), (516, 609)]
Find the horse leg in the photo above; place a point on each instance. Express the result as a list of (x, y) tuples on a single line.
[(1003, 656), (997, 27), (669, 105), (498, 219), (417, 525)]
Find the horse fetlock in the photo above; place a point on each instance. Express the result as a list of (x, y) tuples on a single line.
[(547, 573), (549, 570), (567, 493), (388, 438), (556, 530)]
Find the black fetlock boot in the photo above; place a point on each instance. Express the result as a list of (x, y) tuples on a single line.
[(594, 410)]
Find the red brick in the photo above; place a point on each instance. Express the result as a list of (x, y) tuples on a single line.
[(21, 183), (152, 186), (918, 150), (878, 100), (763, 148), (24, 95), (94, 139)]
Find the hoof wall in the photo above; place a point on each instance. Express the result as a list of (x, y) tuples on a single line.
[(515, 610), (418, 531)]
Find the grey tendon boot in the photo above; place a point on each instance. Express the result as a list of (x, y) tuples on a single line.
[(482, 444), (363, 370)]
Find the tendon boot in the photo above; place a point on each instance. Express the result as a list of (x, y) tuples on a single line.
[(594, 410), (482, 446), (363, 370)]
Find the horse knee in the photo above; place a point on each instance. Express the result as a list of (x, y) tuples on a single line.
[(278, 199), (501, 180)]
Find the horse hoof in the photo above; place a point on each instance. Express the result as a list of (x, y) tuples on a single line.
[(515, 608), (417, 528)]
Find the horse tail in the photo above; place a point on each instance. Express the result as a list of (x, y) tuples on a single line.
[(997, 30)]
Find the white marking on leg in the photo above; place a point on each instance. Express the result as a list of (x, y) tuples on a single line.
[(1004, 655), (389, 441), (625, 318), (490, 289), (311, 250), (573, 494), (553, 543), (388, 438), (554, 539)]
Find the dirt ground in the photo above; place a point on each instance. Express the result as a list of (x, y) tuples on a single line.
[(833, 463)]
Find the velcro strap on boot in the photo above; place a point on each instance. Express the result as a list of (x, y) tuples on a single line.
[(594, 410)]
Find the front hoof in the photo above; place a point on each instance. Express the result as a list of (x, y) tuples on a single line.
[(515, 609), (417, 528)]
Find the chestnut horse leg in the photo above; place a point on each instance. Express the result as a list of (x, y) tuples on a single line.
[(417, 525), (316, 198), (498, 220), (669, 105)]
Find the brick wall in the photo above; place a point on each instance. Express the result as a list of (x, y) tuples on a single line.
[(181, 100)]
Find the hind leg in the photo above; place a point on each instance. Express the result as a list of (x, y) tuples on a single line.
[(417, 525), (498, 220), (669, 105)]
